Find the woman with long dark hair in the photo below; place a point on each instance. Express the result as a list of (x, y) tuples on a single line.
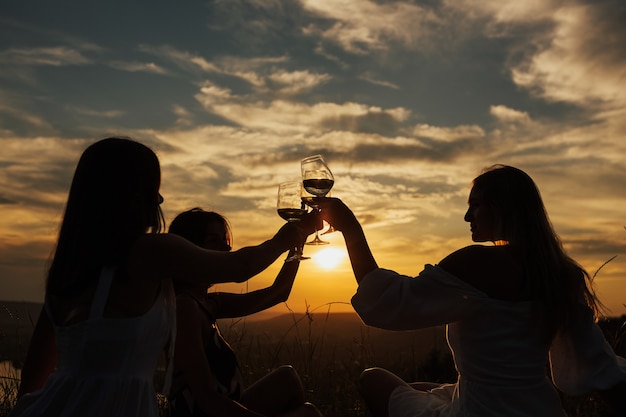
[(511, 310), (207, 379), (109, 308)]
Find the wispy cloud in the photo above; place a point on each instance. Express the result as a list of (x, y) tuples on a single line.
[(150, 67), (291, 116), (581, 65), (182, 59), (448, 134), (53, 56), (565, 52), (507, 114), (296, 82), (107, 114), (264, 74), (370, 78), (360, 27), (506, 11)]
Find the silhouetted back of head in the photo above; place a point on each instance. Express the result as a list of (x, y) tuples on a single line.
[(193, 225), (516, 200), (558, 283), (113, 199)]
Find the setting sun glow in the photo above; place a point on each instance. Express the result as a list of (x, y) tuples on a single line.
[(328, 258), (229, 124)]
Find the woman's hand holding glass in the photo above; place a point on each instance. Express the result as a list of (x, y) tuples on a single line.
[(291, 208), (337, 213), (318, 180)]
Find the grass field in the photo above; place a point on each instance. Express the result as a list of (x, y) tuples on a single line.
[(329, 350)]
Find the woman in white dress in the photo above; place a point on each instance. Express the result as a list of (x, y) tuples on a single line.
[(109, 306), (511, 309)]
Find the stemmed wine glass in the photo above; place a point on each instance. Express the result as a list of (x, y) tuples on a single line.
[(317, 180), (291, 208)]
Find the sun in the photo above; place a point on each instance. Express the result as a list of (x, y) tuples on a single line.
[(328, 258)]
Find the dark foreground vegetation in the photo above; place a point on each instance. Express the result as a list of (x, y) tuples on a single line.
[(329, 350)]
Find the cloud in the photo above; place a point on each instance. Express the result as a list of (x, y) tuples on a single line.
[(32, 178), (448, 134), (285, 117), (107, 114), (150, 67), (371, 79), (44, 56), (585, 62), (505, 11), (295, 82), (262, 73), (29, 119), (506, 114), (184, 116), (351, 24), (569, 52), (181, 59), (407, 101), (370, 120)]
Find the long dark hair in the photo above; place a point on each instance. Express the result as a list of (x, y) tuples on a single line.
[(559, 284), (193, 225), (114, 198)]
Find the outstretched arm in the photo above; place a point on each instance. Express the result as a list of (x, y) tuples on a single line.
[(335, 212), (164, 256), (231, 305)]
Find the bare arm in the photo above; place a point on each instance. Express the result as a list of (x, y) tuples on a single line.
[(361, 256), (167, 256), (231, 305), (41, 358), (335, 212)]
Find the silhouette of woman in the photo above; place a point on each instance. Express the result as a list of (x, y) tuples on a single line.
[(109, 306), (510, 309), (207, 381)]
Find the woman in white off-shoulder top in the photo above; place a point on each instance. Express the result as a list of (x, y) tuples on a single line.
[(513, 310)]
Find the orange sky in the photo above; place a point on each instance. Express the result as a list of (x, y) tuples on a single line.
[(407, 108)]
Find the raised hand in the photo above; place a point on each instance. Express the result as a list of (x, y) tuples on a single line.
[(336, 213)]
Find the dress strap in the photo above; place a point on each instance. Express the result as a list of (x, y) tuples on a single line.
[(102, 292), (170, 305)]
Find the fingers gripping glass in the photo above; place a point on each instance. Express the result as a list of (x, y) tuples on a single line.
[(291, 208), (317, 180)]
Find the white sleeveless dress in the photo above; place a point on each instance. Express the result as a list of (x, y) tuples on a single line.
[(106, 366), (501, 364)]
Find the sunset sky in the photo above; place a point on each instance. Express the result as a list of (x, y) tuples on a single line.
[(407, 100)]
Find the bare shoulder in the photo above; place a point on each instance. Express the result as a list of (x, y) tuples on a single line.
[(471, 258), (491, 269), (163, 255), (469, 254), (156, 242)]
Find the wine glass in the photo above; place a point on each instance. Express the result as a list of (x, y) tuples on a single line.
[(291, 208), (317, 180)]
